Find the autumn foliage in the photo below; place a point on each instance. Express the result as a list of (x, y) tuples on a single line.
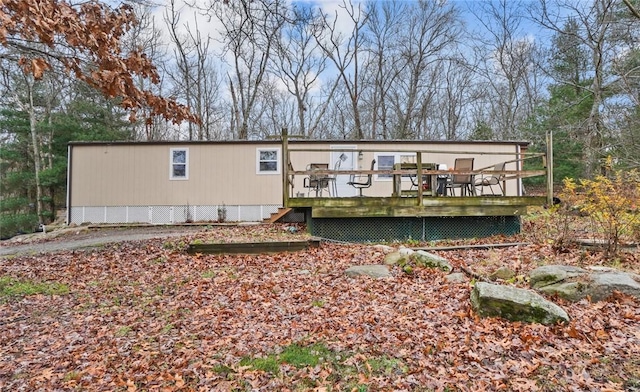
[(85, 40), (612, 205)]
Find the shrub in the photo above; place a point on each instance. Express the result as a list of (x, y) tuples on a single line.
[(611, 205)]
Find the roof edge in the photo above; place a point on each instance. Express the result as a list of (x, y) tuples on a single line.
[(294, 141)]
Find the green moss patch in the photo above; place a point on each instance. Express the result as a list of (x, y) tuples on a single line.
[(12, 288)]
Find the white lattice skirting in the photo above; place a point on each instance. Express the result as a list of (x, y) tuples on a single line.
[(170, 214)]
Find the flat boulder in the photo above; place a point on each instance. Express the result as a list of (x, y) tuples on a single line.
[(574, 284), (385, 249), (603, 284), (457, 277), (395, 258), (550, 274), (502, 273), (426, 259), (372, 270), (515, 304)]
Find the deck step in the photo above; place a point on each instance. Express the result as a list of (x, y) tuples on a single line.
[(275, 216)]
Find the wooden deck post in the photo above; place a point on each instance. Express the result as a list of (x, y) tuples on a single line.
[(285, 167), (419, 176)]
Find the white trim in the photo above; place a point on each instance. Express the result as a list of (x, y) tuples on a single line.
[(171, 163), (278, 160)]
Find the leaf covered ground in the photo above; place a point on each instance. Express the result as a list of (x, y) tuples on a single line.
[(145, 315)]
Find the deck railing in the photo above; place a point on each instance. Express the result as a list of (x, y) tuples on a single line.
[(516, 158)]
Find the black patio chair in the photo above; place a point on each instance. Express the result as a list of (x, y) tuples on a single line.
[(361, 182)]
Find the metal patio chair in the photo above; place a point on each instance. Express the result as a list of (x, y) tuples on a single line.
[(361, 182)]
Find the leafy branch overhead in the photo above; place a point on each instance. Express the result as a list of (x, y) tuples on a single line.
[(85, 39)]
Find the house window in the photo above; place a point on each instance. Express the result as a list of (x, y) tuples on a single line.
[(387, 160), (179, 164), (268, 161)]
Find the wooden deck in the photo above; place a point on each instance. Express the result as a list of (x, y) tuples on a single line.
[(344, 207), (399, 204)]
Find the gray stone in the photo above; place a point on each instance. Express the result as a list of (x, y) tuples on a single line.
[(406, 251), (385, 249), (511, 303), (503, 273), (425, 259), (375, 271), (604, 284), (574, 283), (550, 274), (571, 291), (600, 268), (395, 258), (457, 277)]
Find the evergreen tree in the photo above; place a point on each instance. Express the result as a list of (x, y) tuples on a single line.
[(89, 116), (568, 107)]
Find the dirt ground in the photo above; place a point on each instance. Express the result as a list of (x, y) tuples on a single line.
[(87, 237)]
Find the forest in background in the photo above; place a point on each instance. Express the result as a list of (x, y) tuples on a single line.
[(428, 70)]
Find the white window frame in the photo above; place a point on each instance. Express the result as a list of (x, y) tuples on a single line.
[(397, 157), (172, 164), (258, 161)]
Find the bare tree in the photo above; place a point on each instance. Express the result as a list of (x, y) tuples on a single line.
[(299, 64), (430, 35), (634, 11), (195, 79), (249, 29), (146, 37), (508, 67), (344, 53), (38, 98), (384, 64), (451, 103)]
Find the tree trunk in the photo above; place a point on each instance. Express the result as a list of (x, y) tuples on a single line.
[(36, 150)]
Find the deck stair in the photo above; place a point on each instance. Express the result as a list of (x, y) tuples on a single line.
[(275, 216)]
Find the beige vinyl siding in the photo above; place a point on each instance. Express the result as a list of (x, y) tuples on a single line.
[(139, 175)]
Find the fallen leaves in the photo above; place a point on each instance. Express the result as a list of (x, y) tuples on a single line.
[(147, 316)]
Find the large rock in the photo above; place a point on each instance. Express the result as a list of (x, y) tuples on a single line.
[(457, 277), (384, 248), (426, 259), (603, 284), (375, 271), (571, 291), (511, 303), (550, 274), (574, 284), (395, 258), (503, 273)]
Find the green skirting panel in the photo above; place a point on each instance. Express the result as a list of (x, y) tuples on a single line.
[(419, 228)]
